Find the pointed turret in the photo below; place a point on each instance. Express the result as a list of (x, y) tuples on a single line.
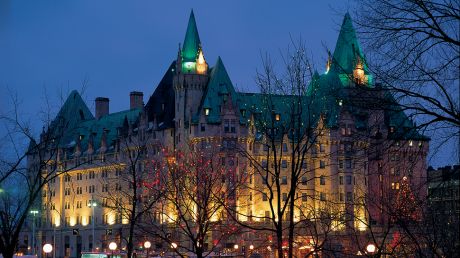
[(191, 42), (348, 59), (347, 48), (193, 60), (220, 90)]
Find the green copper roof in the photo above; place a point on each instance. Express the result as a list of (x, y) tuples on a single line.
[(72, 113), (93, 130), (347, 49), (191, 42), (219, 90)]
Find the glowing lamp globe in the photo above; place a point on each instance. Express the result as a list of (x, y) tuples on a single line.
[(147, 244), (371, 248), (113, 246), (47, 248)]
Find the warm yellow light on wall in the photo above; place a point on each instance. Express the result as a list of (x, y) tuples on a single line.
[(358, 73), (111, 218), (57, 221), (201, 66), (84, 221), (73, 221)]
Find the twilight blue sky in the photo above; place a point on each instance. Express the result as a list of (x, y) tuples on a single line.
[(49, 47)]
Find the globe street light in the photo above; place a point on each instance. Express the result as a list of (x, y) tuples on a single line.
[(147, 246), (33, 212), (371, 248), (112, 247), (47, 248)]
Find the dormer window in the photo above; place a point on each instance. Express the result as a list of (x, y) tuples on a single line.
[(392, 129), (277, 117), (206, 111)]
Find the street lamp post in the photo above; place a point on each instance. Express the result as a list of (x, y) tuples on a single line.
[(92, 203), (47, 248), (147, 246), (33, 212), (370, 249), (112, 247)]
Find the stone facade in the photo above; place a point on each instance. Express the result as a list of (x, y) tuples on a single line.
[(352, 165)]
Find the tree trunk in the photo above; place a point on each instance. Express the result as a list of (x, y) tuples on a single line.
[(291, 225)]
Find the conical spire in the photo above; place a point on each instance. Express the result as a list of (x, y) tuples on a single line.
[(347, 48), (192, 42)]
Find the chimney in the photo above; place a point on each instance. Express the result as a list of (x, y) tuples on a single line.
[(102, 107), (136, 99)]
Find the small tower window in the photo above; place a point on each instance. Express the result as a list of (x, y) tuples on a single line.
[(277, 117), (206, 111)]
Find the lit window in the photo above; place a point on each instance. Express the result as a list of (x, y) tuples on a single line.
[(206, 111), (277, 117), (411, 143)]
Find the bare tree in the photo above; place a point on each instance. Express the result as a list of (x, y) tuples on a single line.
[(414, 50), (41, 168), (132, 190)]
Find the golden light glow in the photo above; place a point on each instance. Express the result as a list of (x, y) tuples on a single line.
[(57, 221), (358, 73), (328, 64), (73, 221), (84, 221), (201, 66), (111, 218)]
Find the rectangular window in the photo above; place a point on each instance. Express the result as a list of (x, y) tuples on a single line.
[(349, 130), (233, 126), (266, 147), (284, 197), (348, 163), (304, 180), (340, 180), (226, 125), (322, 180), (277, 117), (349, 196), (304, 164), (202, 127), (322, 164), (285, 148), (322, 148), (264, 163), (340, 163), (341, 197), (264, 197), (284, 180), (322, 196), (304, 197), (348, 180), (284, 163)]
